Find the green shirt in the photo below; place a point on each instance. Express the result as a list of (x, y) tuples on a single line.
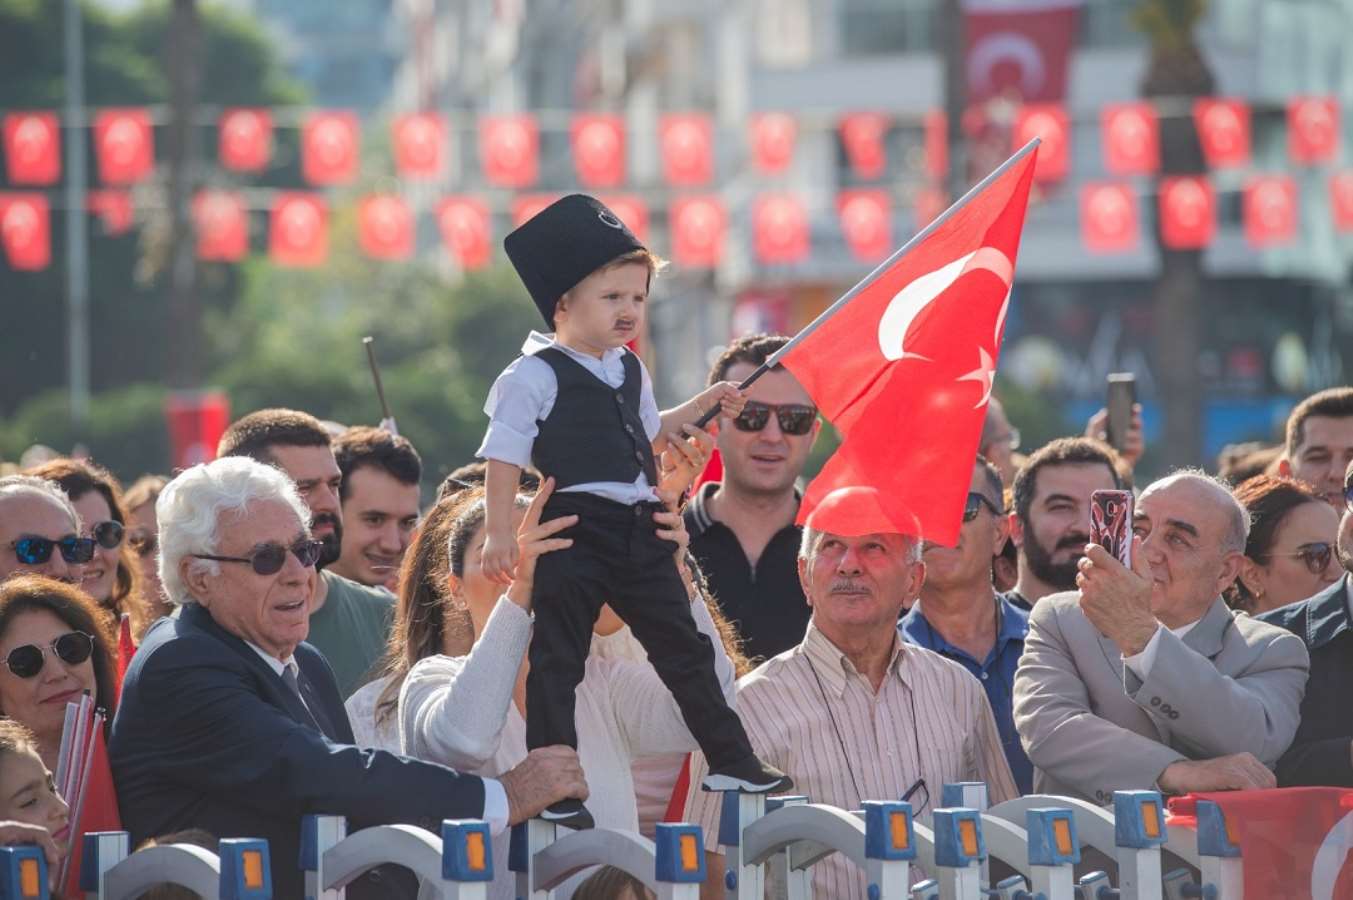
[(351, 629)]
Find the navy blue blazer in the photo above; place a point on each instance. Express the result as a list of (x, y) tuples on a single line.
[(1320, 754), (208, 736)]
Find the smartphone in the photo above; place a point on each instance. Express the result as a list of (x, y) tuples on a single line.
[(1111, 523), (1122, 395)]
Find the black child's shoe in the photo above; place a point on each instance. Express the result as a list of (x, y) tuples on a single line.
[(570, 813), (751, 776)]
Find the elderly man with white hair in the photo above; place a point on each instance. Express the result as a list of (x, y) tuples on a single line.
[(229, 722), (40, 531), (1143, 679)]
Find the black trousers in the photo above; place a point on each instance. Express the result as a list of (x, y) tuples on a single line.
[(617, 558)]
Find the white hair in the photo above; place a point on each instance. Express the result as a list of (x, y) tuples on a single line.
[(808, 544), (190, 508), (1239, 519), (32, 486)]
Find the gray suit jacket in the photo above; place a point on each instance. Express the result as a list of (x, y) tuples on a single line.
[(1092, 727)]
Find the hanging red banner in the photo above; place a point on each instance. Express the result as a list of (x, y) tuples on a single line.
[(196, 420), (598, 149), (114, 209), (299, 231), (222, 226), (1109, 220), (1188, 212), (245, 139), (509, 150), (26, 231), (420, 145), (1269, 210), (928, 203), (698, 226), (1312, 129), (779, 229), (687, 141), (936, 141), (772, 139), (1047, 121), (464, 226), (385, 227), (32, 148), (526, 206), (866, 222), (631, 210), (1341, 200), (1224, 131), (1131, 138), (330, 142), (862, 134), (123, 145), (1019, 48)]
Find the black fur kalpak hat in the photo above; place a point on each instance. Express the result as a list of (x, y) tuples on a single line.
[(563, 244)]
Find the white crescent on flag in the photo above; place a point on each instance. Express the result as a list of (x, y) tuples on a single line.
[(908, 303)]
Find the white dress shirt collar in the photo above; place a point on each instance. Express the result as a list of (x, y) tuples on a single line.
[(537, 341), (277, 665)]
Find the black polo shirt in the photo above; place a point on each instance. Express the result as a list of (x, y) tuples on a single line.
[(766, 605)]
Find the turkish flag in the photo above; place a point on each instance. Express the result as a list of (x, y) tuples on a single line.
[(1294, 842), (862, 135), (779, 229), (1131, 136), (1223, 130), (936, 141), (126, 649), (26, 231), (32, 148), (385, 227), (94, 808), (464, 225), (123, 145), (1270, 210), (299, 232), (866, 221), (1047, 121), (928, 203), (196, 422), (222, 226), (698, 226), (1188, 212), (1341, 200), (329, 148), (598, 149), (1312, 129), (245, 139), (904, 370), (509, 150), (631, 210), (1109, 220), (420, 145), (1019, 47), (114, 209), (772, 139), (687, 141)]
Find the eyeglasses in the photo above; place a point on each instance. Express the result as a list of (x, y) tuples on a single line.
[(1316, 556), (918, 786), (268, 559), (34, 551), (794, 418), (143, 543), (72, 648), (974, 505), (108, 534)]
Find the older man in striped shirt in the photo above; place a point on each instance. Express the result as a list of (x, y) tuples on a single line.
[(852, 713)]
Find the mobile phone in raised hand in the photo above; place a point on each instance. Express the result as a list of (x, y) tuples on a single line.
[(1122, 395), (1111, 523)]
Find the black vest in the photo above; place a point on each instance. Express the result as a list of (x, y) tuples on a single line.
[(593, 432)]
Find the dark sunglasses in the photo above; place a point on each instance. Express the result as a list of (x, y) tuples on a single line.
[(794, 418), (143, 543), (974, 505), (1348, 495), (1315, 556), (72, 648), (34, 551), (108, 534), (268, 559)]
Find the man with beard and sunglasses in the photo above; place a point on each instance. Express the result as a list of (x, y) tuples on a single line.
[(742, 528), (1050, 522), (40, 531), (349, 622)]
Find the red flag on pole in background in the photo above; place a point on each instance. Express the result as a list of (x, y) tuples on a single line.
[(687, 141), (1188, 212), (245, 139), (773, 136), (862, 135), (698, 226), (299, 233), (1270, 210), (1019, 47), (1131, 138), (779, 228), (329, 147), (1109, 217), (630, 209), (419, 141), (1224, 131), (464, 225), (385, 227), (32, 148), (222, 226), (196, 421), (26, 231), (1047, 121), (126, 649), (867, 222), (509, 150), (113, 207), (598, 149), (936, 139), (1312, 129), (1341, 200), (911, 351), (123, 145)]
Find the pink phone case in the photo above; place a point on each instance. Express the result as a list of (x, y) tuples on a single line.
[(1111, 523)]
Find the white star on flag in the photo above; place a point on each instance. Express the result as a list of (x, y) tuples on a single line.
[(984, 374)]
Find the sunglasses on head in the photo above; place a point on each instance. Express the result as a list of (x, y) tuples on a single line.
[(1316, 556), (143, 543), (794, 418), (32, 550), (108, 534), (974, 505), (268, 559), (72, 648)]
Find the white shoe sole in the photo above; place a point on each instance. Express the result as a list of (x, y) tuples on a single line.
[(729, 783)]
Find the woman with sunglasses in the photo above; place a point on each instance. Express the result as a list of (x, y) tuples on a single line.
[(112, 577), (1290, 553), (55, 648)]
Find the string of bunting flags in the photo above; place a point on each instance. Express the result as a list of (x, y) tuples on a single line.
[(509, 150)]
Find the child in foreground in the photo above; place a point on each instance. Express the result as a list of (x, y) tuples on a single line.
[(27, 790)]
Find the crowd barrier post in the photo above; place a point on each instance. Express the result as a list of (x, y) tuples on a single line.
[(318, 834), (239, 870), (742, 881), (889, 847), (23, 873), (969, 795), (1139, 832), (100, 851), (528, 839), (246, 870), (467, 859), (1054, 851), (1220, 864), (798, 883), (680, 864), (959, 851)]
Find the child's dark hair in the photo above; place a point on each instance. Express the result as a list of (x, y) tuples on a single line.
[(195, 836), (16, 738)]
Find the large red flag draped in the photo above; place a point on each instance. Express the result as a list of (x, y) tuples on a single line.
[(904, 368)]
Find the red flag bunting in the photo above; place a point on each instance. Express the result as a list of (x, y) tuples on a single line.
[(245, 139), (1341, 199), (329, 148), (1131, 137), (1188, 212), (32, 148), (1224, 131), (862, 134), (936, 144), (687, 141), (866, 221), (509, 150), (385, 227), (527, 206), (1270, 210), (698, 225), (114, 209), (780, 228), (914, 352), (929, 203), (299, 233), (196, 421), (631, 210), (1312, 129), (26, 231), (1109, 217), (598, 149), (773, 136), (222, 226), (420, 145), (123, 145), (464, 224), (1019, 48), (1048, 121)]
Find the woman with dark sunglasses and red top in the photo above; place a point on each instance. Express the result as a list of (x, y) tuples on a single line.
[(1290, 554)]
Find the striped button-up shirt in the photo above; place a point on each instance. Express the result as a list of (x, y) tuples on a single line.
[(929, 720)]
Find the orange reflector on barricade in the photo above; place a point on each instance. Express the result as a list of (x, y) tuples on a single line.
[(252, 861), (967, 833), (28, 878), (1150, 819), (897, 825), (690, 853), (1061, 833), (474, 851)]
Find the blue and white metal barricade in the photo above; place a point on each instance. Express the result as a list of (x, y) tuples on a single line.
[(457, 865), (23, 873), (672, 865), (238, 870), (1139, 833), (797, 883), (959, 852), (738, 812)]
